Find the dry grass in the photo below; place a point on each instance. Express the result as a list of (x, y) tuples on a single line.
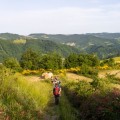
[(76, 78), (116, 86), (33, 78), (117, 59), (102, 74)]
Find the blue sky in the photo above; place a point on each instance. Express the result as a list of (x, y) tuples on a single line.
[(59, 16)]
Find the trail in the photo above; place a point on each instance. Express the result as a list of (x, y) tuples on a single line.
[(62, 111), (51, 111)]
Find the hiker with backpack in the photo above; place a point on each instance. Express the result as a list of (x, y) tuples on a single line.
[(57, 93), (55, 81)]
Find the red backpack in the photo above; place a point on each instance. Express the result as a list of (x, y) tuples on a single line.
[(56, 90)]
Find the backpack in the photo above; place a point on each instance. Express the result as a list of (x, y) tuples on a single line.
[(56, 90)]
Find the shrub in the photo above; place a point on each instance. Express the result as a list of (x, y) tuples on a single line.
[(112, 78), (77, 92), (20, 99), (101, 84), (87, 70), (101, 107), (12, 63)]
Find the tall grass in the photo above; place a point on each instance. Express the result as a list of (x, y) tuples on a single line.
[(67, 112), (25, 100), (21, 99), (95, 100)]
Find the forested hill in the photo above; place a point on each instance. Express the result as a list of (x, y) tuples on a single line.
[(103, 44), (9, 36), (15, 48), (106, 35)]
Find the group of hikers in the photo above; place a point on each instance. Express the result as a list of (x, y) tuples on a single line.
[(56, 89)]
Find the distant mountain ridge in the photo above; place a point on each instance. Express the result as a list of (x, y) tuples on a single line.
[(15, 48), (103, 44), (106, 35)]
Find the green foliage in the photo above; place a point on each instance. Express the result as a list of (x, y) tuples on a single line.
[(101, 84), (75, 60), (101, 107), (51, 61), (84, 89), (110, 62), (8, 48), (103, 45), (67, 112), (10, 36), (12, 63), (87, 70), (113, 79), (96, 100), (77, 92), (71, 61), (20, 99), (84, 43), (29, 60)]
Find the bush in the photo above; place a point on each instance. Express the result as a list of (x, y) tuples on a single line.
[(20, 99), (101, 84), (102, 107), (112, 78), (78, 92), (87, 70), (12, 63)]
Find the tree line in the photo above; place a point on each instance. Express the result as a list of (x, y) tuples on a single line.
[(34, 61)]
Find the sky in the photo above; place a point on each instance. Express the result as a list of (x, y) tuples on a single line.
[(59, 16)]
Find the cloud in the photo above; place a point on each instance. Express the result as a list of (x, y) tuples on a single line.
[(63, 20)]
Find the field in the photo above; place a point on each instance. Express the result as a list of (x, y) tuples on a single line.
[(31, 98), (117, 59), (103, 73)]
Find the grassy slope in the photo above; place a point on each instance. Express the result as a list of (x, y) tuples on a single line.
[(29, 98), (63, 111), (117, 59)]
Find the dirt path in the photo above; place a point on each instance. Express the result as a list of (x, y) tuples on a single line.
[(69, 76), (52, 111)]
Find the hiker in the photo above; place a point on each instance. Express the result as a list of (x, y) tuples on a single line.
[(57, 93), (55, 80)]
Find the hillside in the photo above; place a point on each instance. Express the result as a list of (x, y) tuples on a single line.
[(81, 98), (15, 48), (105, 45), (107, 35), (10, 36)]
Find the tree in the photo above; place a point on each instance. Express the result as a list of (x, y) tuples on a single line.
[(110, 62), (12, 63), (30, 60), (51, 61), (76, 60), (71, 61)]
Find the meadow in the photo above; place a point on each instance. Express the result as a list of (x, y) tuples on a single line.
[(25, 96)]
